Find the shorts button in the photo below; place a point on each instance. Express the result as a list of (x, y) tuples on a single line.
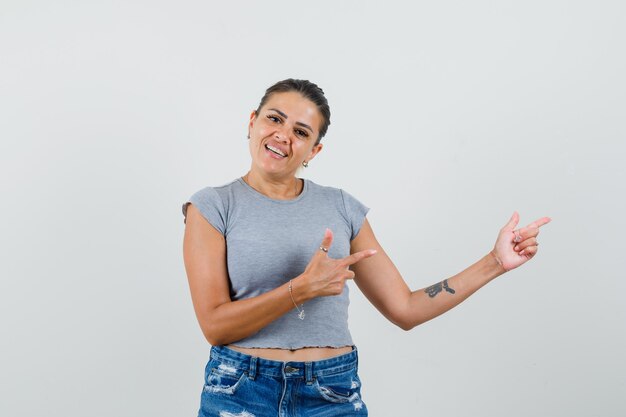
[(290, 369)]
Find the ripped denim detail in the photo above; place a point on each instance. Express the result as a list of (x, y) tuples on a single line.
[(335, 397), (224, 379), (337, 391), (242, 414)]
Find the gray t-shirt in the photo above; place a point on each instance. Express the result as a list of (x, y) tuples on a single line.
[(269, 242)]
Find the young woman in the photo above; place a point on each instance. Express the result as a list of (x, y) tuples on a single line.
[(267, 257)]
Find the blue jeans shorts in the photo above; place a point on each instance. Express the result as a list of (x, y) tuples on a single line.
[(241, 385)]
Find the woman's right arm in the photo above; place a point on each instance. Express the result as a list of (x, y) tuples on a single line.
[(224, 321)]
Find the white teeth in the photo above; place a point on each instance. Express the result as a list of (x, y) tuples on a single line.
[(275, 150)]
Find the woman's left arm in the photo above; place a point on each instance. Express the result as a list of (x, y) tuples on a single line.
[(380, 281)]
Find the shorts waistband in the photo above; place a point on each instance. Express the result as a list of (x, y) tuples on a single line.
[(255, 365)]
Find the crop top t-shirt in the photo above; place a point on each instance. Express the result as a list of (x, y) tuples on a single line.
[(269, 242)]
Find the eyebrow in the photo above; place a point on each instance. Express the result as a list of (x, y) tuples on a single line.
[(287, 117)]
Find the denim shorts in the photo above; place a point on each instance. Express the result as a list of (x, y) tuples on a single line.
[(241, 385)]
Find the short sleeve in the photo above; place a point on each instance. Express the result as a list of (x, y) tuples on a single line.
[(210, 205), (355, 212)]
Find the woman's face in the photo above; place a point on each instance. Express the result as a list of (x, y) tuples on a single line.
[(284, 133)]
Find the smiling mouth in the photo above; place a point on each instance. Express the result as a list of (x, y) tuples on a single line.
[(275, 150)]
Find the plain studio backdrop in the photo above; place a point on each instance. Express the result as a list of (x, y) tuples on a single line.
[(446, 117)]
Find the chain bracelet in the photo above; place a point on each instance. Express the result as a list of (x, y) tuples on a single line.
[(300, 312)]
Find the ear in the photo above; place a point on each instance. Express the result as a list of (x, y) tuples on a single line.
[(251, 122), (316, 149)]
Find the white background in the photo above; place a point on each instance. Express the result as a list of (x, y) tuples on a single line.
[(446, 117)]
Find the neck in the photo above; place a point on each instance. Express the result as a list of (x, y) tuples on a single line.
[(277, 188)]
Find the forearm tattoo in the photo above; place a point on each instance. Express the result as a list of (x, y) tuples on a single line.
[(435, 289)]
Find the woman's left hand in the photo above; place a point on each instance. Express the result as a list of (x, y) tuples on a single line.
[(516, 246)]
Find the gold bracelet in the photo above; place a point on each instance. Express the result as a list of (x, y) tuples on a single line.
[(300, 312)]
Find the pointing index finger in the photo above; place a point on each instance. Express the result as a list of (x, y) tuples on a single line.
[(539, 222), (356, 257)]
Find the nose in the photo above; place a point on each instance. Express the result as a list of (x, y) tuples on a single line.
[(282, 135)]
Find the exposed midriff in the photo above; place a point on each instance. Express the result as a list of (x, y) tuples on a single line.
[(299, 355)]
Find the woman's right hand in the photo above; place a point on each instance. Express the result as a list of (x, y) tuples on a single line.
[(324, 275)]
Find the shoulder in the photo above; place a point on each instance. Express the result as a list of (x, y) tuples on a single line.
[(323, 190), (336, 193), (221, 190), (220, 194), (211, 201)]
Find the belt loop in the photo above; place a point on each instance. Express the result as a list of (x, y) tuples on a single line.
[(252, 371), (308, 372)]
